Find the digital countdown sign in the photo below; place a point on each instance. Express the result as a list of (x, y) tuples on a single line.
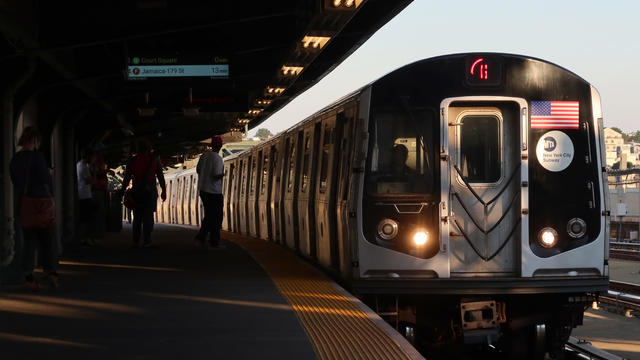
[(147, 67), (481, 70)]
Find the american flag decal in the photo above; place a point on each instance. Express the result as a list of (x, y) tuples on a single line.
[(555, 114)]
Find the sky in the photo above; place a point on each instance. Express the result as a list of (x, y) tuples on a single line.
[(598, 40)]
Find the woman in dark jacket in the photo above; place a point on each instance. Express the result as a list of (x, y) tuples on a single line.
[(29, 165)]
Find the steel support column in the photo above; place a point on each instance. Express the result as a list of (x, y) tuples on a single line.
[(10, 244)]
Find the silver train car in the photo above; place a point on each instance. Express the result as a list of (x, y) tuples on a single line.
[(462, 196)]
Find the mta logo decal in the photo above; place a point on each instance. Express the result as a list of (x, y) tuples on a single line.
[(549, 143)]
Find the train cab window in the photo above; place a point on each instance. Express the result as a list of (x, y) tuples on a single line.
[(479, 159), (402, 154)]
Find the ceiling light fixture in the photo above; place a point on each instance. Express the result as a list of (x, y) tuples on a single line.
[(315, 42), (291, 70)]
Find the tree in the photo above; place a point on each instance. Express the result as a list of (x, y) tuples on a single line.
[(263, 133)]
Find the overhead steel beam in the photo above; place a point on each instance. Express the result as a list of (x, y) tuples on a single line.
[(39, 52)]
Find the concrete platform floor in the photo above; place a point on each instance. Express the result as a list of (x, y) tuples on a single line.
[(611, 332), (175, 301), (624, 270)]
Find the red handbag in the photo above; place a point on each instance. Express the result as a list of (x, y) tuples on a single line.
[(128, 200), (36, 212)]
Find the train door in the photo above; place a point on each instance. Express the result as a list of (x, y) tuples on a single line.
[(327, 244), (236, 196), (179, 200), (194, 199), (251, 201), (166, 208), (225, 184), (305, 221), (242, 197), (193, 204), (343, 187), (290, 217), (158, 213), (233, 196), (263, 195), (484, 167), (271, 178), (186, 199), (228, 224), (276, 192), (174, 197)]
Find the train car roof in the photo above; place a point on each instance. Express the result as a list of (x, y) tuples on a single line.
[(358, 91)]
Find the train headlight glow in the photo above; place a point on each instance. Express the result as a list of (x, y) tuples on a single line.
[(387, 229), (420, 238), (576, 228), (548, 237)]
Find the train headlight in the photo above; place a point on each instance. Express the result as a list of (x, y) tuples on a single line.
[(548, 237), (420, 238), (387, 229), (576, 228)]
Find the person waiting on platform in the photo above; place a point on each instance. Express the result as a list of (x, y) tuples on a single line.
[(143, 169), (85, 198), (210, 171), (31, 177), (99, 189)]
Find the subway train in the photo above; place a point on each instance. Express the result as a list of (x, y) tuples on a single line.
[(463, 197)]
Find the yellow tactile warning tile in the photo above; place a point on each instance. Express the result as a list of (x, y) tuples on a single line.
[(337, 328)]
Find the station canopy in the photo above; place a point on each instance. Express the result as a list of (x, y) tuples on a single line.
[(175, 71)]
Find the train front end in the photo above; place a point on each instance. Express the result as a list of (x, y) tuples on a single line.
[(483, 211)]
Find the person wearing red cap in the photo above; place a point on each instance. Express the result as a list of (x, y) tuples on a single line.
[(210, 171)]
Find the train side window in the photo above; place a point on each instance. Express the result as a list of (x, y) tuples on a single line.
[(274, 161), (292, 166), (324, 165), (305, 164), (230, 179), (243, 178), (480, 160), (265, 174), (253, 176)]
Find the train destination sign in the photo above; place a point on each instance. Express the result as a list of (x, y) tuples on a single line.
[(145, 67)]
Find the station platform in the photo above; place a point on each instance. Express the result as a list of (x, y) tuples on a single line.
[(624, 270), (608, 330), (177, 300)]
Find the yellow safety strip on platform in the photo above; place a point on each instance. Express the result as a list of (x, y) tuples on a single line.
[(337, 328)]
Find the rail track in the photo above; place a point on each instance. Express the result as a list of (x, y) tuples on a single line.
[(625, 297), (625, 250), (579, 349)]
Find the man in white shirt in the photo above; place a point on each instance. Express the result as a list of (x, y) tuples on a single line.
[(210, 171), (84, 197)]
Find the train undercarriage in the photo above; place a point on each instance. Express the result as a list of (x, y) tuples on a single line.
[(521, 326)]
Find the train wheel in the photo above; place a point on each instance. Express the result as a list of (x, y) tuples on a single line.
[(525, 343), (557, 337)]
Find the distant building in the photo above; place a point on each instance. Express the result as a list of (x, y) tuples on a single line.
[(616, 148), (613, 143)]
